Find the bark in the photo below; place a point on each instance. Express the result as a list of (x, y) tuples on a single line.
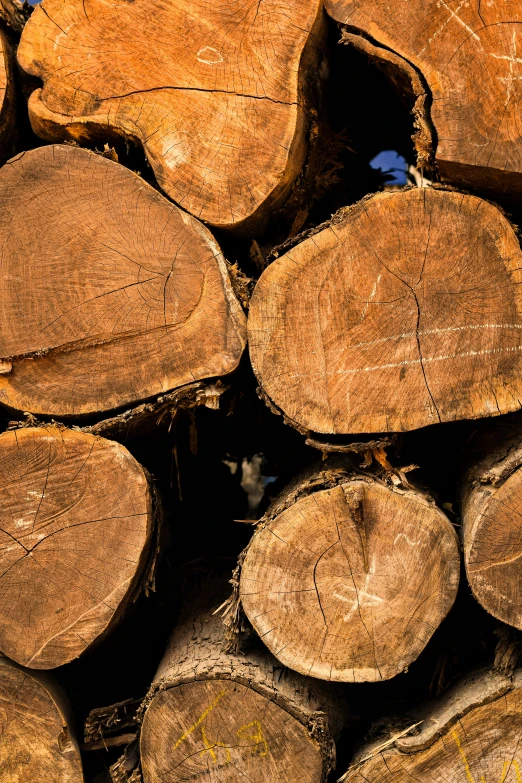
[(220, 107), (403, 311), (492, 519), (216, 714), (37, 740), (76, 541), (473, 734), (110, 294), (7, 97), (346, 578), (467, 57)]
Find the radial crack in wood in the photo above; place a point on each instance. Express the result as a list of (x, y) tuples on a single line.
[(470, 58), (403, 311), (36, 740), (218, 102), (472, 735), (225, 717), (492, 519), (110, 294), (349, 583), (76, 534)]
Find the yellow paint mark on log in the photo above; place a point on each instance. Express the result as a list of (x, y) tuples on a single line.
[(256, 735), (210, 747), (505, 768), (200, 719)]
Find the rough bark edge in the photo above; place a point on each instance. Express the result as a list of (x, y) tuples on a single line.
[(476, 690), (140, 418), (410, 85), (316, 722), (237, 625), (15, 13)]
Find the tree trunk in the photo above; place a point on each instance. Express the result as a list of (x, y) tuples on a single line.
[(473, 735), (223, 716), (37, 744), (220, 106), (77, 535), (349, 582), (7, 97), (468, 55), (110, 294), (492, 520), (403, 311)]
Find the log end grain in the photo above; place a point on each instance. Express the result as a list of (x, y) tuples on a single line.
[(36, 743), (110, 294), (217, 104), (404, 311), (349, 583), (75, 539)]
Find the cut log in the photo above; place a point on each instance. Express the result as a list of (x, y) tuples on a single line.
[(404, 311), (110, 294), (468, 56), (7, 97), (37, 744), (472, 735), (75, 541), (220, 716), (349, 583), (219, 102), (492, 520)]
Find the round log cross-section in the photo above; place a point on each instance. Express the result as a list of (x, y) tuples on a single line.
[(350, 583), (220, 716), (404, 311), (219, 101), (110, 294), (75, 538), (36, 742), (469, 55)]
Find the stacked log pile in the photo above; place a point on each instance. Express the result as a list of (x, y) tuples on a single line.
[(260, 416)]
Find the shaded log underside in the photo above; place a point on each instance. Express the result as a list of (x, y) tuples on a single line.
[(350, 583), (469, 56), (405, 310), (73, 545), (109, 294), (217, 102)]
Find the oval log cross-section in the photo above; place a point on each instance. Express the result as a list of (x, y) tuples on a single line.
[(217, 101), (75, 534), (36, 743), (405, 311), (350, 583), (109, 294), (469, 54)]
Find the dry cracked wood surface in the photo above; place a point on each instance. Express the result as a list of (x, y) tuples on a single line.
[(36, 743), (111, 294), (74, 548), (469, 738), (469, 55), (404, 311), (349, 583), (214, 90)]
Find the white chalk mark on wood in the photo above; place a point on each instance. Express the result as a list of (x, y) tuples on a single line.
[(513, 60), (362, 596), (454, 15), (209, 56), (372, 295), (405, 537), (423, 332)]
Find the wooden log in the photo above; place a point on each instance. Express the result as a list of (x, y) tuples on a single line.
[(491, 496), (461, 62), (349, 583), (404, 311), (7, 97), (110, 294), (76, 539), (221, 716), (219, 105), (472, 735), (37, 742)]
